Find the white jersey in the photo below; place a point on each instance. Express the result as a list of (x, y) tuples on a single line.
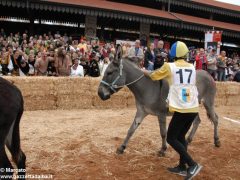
[(183, 92)]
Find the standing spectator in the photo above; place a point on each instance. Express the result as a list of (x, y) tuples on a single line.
[(161, 55), (2, 33), (100, 64), (77, 69), (94, 68), (63, 63), (85, 65), (150, 58), (124, 50), (229, 69), (23, 39), (5, 59), (160, 59), (112, 54), (192, 56), (201, 60), (105, 65), (236, 73), (16, 38), (31, 62), (51, 70), (17, 65), (221, 65), (10, 38), (41, 64), (136, 53), (82, 46), (159, 47), (212, 63)]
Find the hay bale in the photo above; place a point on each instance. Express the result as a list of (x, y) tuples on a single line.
[(33, 103), (71, 85), (221, 89), (227, 94), (73, 93), (232, 88), (48, 93), (78, 101), (38, 92)]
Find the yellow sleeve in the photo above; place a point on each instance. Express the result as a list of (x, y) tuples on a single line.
[(161, 73)]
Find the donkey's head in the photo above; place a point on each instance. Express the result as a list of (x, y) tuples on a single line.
[(114, 77)]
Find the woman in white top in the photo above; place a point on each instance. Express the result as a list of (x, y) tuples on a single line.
[(77, 69)]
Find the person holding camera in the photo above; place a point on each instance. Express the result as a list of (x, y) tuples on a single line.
[(161, 55), (18, 66), (221, 65), (94, 70), (212, 63)]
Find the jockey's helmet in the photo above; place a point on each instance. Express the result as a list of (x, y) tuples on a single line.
[(179, 50)]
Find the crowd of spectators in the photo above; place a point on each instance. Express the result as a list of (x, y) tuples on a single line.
[(61, 55), (221, 67), (52, 55)]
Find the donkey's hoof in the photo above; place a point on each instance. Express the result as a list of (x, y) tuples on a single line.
[(161, 153), (189, 141), (120, 150), (217, 143)]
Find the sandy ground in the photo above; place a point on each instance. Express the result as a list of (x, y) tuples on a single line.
[(81, 144)]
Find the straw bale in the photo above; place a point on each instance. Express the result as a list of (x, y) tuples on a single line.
[(47, 93), (220, 101), (232, 88), (221, 89), (232, 101), (70, 85), (228, 93), (78, 101), (33, 103), (38, 92), (30, 86), (73, 93)]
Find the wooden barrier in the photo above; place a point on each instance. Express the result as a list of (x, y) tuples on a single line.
[(49, 93)]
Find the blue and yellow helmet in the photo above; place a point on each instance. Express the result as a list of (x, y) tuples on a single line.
[(178, 50)]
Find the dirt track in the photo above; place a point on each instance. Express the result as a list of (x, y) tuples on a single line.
[(81, 144)]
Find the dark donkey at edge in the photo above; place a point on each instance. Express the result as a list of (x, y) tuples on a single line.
[(11, 110), (150, 97)]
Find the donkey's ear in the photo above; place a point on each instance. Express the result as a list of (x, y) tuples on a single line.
[(118, 55)]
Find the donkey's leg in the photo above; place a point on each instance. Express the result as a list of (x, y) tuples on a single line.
[(140, 115), (163, 132), (13, 144), (5, 165), (214, 118), (215, 123), (196, 123)]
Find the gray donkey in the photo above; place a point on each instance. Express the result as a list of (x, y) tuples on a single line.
[(150, 96)]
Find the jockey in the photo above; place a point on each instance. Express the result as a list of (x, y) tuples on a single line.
[(183, 101)]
